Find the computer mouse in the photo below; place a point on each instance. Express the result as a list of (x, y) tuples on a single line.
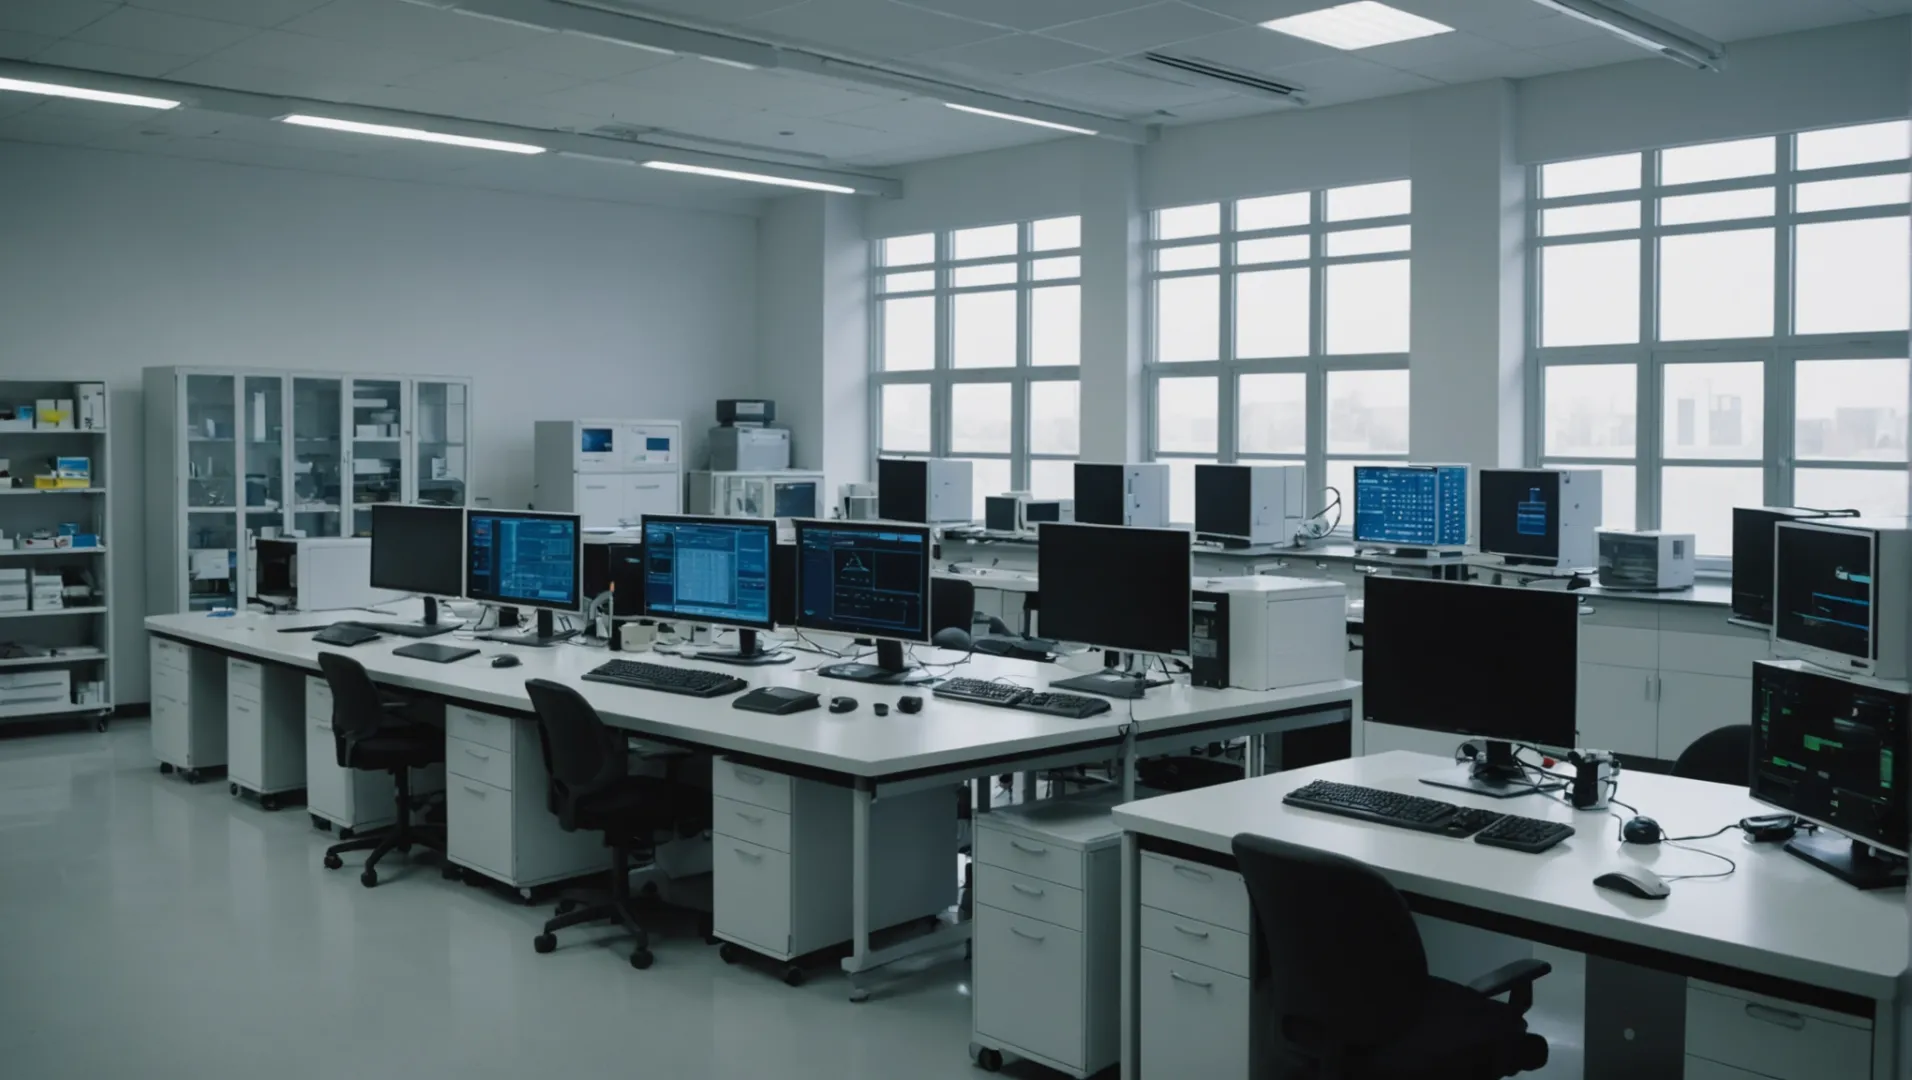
[(1638, 881), (910, 703), (881, 709), (1642, 830), (842, 704), (504, 660)]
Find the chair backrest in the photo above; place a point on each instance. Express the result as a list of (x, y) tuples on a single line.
[(1345, 964), (1722, 756), (357, 709), (582, 756), (952, 604)]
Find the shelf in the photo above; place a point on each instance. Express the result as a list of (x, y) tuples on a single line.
[(57, 710), (52, 431), (28, 553), (54, 612), (49, 661), (4, 491)]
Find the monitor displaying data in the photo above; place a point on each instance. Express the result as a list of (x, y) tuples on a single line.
[(1822, 594), (713, 570), (1833, 750), (869, 579), (1410, 505), (522, 558), (1520, 513)]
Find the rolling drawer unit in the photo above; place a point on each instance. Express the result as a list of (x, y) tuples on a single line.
[(1193, 978), (189, 708), (1736, 1034), (353, 800), (780, 857), (265, 738), (1047, 935), (497, 820)]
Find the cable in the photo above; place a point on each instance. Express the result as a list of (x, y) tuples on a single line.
[(1731, 866), (1313, 527), (1701, 836)]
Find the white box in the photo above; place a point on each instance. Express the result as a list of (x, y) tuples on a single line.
[(1283, 631), (1646, 561), (41, 688), (18, 573), (1135, 494), (1250, 504), (92, 406)]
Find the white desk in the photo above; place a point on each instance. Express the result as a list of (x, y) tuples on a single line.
[(871, 756), (1775, 927)]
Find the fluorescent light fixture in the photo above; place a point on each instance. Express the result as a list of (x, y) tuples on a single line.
[(414, 134), (1051, 124), (728, 63), (755, 178), (608, 40), (1642, 28), (55, 90), (1360, 25)]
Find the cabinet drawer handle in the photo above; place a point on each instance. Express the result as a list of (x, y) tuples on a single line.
[(1025, 890), (322, 725), (1202, 934), (478, 791), (476, 754), (1021, 933), (1781, 1017), (747, 777), (751, 855), (1028, 850), (1181, 978), (1199, 875), (754, 819)]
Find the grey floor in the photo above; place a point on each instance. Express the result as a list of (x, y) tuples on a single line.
[(153, 929)]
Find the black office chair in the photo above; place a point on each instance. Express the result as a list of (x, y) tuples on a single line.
[(370, 732), (1721, 756), (1347, 989), (590, 788)]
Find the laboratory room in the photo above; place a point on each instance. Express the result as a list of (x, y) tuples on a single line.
[(857, 539)]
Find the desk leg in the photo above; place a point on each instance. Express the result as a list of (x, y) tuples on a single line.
[(1255, 753), (1129, 760), (860, 800), (1130, 1048), (1636, 1022)]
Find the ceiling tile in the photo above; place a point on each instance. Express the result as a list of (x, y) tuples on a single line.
[(1227, 108), (1144, 28), (608, 102), (1505, 64), (482, 80), (261, 13), (1350, 78), (778, 91), (319, 56), (711, 11), (1254, 49), (574, 54), (15, 45), (1541, 33), (1441, 48), (160, 31), (1259, 11), (224, 71), (412, 28), (1014, 54), (1592, 52), (1736, 20), (1473, 15), (826, 139), (53, 18), (1105, 88), (144, 63), (1027, 14), (872, 27)]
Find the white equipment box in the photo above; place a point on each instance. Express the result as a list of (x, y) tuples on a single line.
[(608, 472), (1282, 631)]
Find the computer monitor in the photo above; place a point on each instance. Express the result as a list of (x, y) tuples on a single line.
[(419, 549), (715, 571), (520, 558), (1411, 507), (1484, 661), (1541, 517), (869, 579), (1836, 602), (1831, 750), (1115, 587)]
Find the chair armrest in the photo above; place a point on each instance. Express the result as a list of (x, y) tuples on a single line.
[(1515, 979)]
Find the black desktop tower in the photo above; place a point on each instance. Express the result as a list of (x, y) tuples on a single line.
[(1098, 494), (1208, 639), (783, 584), (902, 489), (1753, 558), (1224, 503)]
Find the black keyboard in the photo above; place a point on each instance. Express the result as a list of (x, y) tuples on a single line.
[(405, 629), (981, 691), (670, 680), (1523, 834), (1429, 815), (1073, 706)]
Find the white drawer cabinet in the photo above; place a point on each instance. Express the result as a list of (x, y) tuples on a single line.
[(1192, 978), (1047, 934), (780, 859), (189, 707), (265, 729), (350, 799), (497, 821), (1771, 1037), (1655, 675)]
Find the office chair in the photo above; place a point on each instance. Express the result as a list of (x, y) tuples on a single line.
[(1347, 989), (591, 789), (1721, 756), (370, 733)]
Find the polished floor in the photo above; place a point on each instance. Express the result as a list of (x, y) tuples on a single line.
[(153, 929)]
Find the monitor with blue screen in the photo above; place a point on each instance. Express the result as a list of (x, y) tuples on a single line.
[(869, 579), (716, 571), (1411, 506), (518, 558)]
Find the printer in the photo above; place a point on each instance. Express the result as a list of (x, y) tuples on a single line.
[(1264, 632), (744, 441)]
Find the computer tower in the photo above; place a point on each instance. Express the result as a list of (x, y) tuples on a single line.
[(1545, 517), (1131, 494), (927, 491), (1248, 505), (1208, 638), (1264, 632), (1753, 558)]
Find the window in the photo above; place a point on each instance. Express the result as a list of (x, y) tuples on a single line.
[(1279, 333), (1748, 300), (976, 347)]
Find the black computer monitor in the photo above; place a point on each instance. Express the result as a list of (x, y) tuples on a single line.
[(1831, 750), (520, 558), (1120, 588), (1520, 514), (716, 571), (624, 568), (1753, 559), (419, 549), (902, 489), (1413, 507), (1098, 493), (869, 579), (1486, 661)]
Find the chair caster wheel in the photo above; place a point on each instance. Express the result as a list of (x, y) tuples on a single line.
[(449, 872), (526, 894), (793, 976), (321, 824), (100, 724), (649, 893), (194, 776), (566, 907), (233, 789), (333, 862), (165, 769), (346, 834), (545, 943), (369, 878), (990, 1060), (859, 995), (642, 959), (269, 802), (729, 953)]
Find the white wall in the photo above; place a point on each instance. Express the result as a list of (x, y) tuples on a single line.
[(555, 308)]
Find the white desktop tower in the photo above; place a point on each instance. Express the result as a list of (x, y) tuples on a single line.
[(608, 472), (1580, 511), (1250, 504), (1122, 494), (1267, 632)]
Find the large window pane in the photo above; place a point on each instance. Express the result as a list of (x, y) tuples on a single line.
[(1067, 266), (1700, 500), (1274, 212), (1189, 257), (909, 334), (1718, 161), (1052, 479), (1181, 488), (1589, 176), (1271, 313), (1600, 217), (1590, 294), (1714, 411), (986, 274), (1856, 191), (1368, 308), (1370, 241), (1872, 492), (1188, 319), (1271, 413), (1177, 222), (983, 329), (905, 420), (1056, 234), (909, 250), (1592, 410), (986, 242), (1367, 412), (1850, 410), (1389, 199), (914, 281), (1055, 326), (1717, 206), (1271, 249), (1716, 285), (1851, 275), (979, 418), (1055, 417), (1186, 414), (1828, 149), (988, 476)]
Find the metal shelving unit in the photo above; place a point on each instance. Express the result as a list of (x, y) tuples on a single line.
[(74, 640)]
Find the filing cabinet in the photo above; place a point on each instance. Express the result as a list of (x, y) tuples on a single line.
[(189, 708), (497, 819), (350, 799), (1193, 975)]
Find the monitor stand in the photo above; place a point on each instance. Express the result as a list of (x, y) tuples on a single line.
[(890, 666), (748, 652), (547, 635), (1848, 860), (1497, 775)]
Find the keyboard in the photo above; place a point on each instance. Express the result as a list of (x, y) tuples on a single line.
[(1523, 834), (405, 629), (669, 680), (1073, 706), (1429, 815), (981, 691)]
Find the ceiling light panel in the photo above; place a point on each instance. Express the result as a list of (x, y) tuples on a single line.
[(81, 93), (1050, 124), (1360, 25), (413, 134), (754, 178)]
